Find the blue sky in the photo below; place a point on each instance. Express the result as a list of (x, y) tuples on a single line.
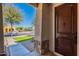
[(28, 14)]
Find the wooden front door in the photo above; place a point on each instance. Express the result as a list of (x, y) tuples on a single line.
[(66, 29)]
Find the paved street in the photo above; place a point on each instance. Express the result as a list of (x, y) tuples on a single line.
[(27, 33), (10, 34)]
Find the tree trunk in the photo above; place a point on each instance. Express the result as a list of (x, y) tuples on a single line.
[(11, 28)]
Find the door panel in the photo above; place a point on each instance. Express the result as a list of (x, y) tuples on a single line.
[(66, 29), (64, 46), (64, 20)]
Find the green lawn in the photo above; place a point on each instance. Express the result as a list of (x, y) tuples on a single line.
[(23, 38)]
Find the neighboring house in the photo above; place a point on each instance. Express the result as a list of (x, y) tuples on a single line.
[(8, 29)]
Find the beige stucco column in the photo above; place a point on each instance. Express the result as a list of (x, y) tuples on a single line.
[(38, 27)]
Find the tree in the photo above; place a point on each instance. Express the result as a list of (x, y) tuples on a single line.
[(11, 15)]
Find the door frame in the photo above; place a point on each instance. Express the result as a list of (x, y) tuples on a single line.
[(55, 26)]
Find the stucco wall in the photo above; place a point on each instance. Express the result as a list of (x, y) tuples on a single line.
[(46, 34)]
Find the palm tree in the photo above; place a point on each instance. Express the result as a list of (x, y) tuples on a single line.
[(11, 15)]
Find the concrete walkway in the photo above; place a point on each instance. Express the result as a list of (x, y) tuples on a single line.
[(20, 50), (21, 47), (25, 48)]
